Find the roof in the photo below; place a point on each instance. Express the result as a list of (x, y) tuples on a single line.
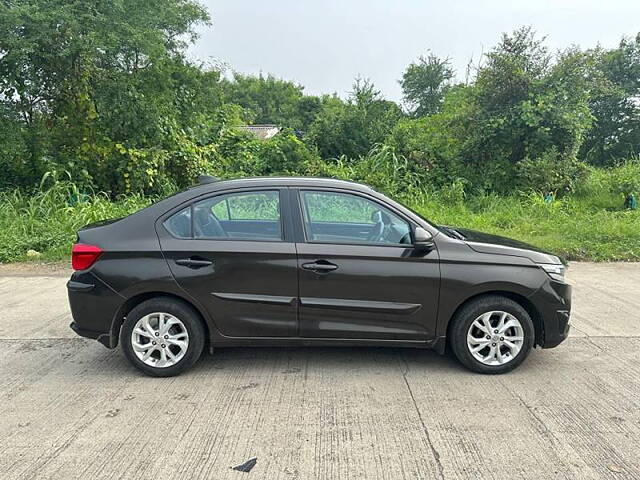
[(262, 132), (286, 181)]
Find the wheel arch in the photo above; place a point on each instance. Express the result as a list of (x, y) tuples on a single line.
[(524, 302), (131, 302)]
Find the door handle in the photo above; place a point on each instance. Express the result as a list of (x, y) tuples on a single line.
[(321, 266), (194, 262)]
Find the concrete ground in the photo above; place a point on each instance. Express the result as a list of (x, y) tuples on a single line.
[(71, 409)]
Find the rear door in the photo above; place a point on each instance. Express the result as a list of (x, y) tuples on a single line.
[(360, 277), (233, 252)]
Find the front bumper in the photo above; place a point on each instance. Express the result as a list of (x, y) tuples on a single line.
[(553, 302), (557, 330)]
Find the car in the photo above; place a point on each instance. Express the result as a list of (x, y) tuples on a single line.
[(313, 262)]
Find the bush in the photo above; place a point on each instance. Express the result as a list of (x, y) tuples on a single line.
[(577, 226), (284, 154), (625, 177), (603, 187), (551, 172), (382, 168)]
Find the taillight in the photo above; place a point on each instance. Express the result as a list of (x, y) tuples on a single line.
[(83, 256)]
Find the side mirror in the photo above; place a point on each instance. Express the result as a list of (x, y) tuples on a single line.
[(422, 240)]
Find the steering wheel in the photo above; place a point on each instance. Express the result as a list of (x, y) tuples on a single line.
[(377, 231)]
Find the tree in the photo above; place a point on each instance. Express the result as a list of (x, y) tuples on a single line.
[(615, 104), (284, 154), (438, 145), (525, 112), (425, 83), (84, 76), (267, 99), (526, 107), (353, 127)]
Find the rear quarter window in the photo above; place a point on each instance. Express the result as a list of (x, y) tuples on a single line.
[(179, 224)]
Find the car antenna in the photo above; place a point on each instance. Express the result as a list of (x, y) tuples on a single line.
[(204, 179)]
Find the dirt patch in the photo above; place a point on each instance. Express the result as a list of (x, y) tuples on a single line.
[(36, 269)]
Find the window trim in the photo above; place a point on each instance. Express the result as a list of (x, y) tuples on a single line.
[(283, 211), (303, 224)]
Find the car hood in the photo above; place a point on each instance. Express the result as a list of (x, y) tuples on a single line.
[(494, 244)]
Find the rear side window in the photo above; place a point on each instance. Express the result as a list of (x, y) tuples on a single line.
[(234, 216)]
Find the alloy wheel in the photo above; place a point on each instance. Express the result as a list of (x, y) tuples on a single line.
[(160, 339), (495, 338)]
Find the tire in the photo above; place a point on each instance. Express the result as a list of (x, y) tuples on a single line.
[(491, 345), (181, 325)]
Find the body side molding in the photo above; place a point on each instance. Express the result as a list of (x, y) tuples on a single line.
[(362, 305), (247, 297)]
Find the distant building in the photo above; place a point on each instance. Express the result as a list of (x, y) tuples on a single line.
[(261, 131)]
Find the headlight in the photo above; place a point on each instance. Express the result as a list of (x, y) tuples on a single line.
[(555, 271)]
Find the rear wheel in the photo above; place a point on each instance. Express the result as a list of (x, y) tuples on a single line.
[(492, 334), (162, 337)]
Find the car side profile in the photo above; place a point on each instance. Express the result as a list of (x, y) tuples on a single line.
[(308, 261)]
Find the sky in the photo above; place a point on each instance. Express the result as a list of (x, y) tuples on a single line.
[(324, 45)]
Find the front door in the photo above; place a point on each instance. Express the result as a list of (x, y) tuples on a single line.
[(360, 277), (231, 252)]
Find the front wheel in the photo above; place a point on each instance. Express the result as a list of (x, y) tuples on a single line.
[(162, 337), (492, 334)]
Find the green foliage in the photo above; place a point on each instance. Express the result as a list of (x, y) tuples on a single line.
[(84, 76), (425, 83), (104, 91), (551, 172), (575, 227), (526, 107), (352, 128), (437, 144), (609, 186), (284, 154), (614, 104), (47, 221), (587, 225), (269, 100), (625, 178), (13, 150), (382, 168), (453, 194)]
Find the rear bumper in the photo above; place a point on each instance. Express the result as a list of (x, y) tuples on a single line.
[(103, 338), (553, 302), (93, 306)]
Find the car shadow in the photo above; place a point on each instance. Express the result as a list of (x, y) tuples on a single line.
[(295, 359)]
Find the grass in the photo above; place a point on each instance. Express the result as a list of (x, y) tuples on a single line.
[(572, 227), (589, 225), (47, 221)]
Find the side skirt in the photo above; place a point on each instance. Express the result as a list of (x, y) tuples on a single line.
[(437, 344)]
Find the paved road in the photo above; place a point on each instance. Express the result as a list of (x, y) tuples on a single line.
[(71, 409)]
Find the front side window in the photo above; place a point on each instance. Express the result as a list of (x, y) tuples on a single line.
[(333, 217), (236, 216)]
